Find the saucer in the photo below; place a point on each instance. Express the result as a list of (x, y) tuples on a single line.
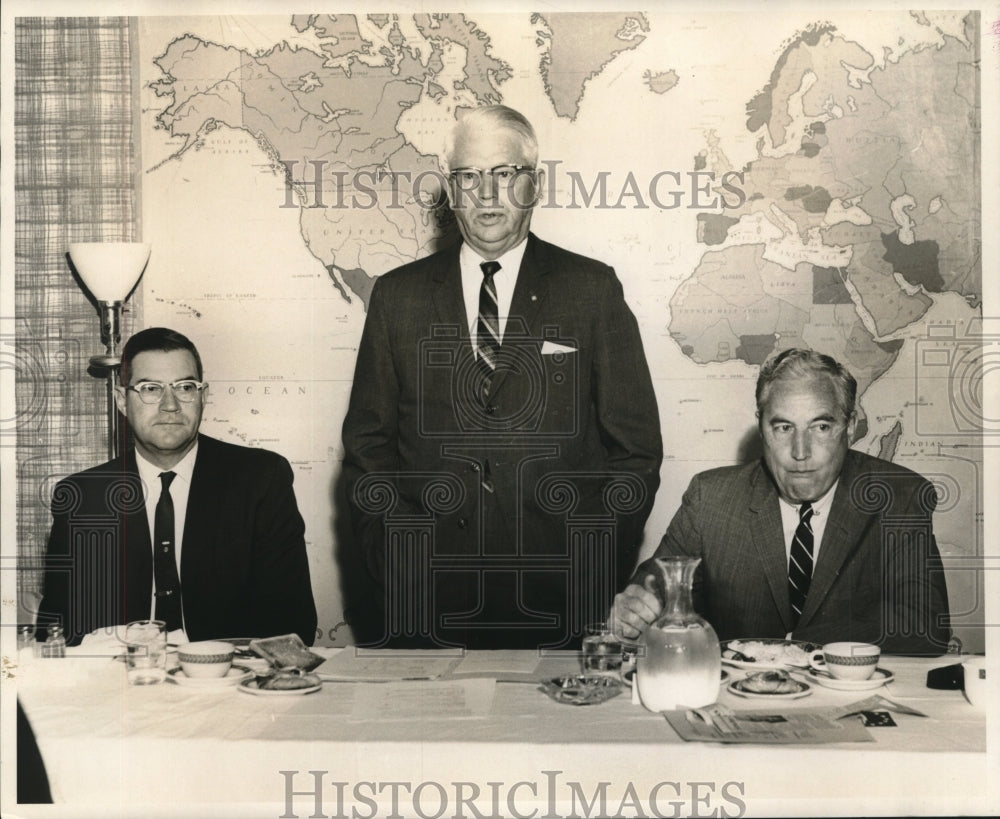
[(234, 676), (881, 677)]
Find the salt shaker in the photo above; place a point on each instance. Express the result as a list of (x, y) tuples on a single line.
[(25, 641), (55, 645)]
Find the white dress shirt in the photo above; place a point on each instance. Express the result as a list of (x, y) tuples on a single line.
[(180, 488), (504, 280)]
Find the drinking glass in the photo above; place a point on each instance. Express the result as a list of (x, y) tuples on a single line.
[(146, 652), (602, 651)]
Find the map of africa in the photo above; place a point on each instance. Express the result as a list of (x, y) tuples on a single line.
[(818, 188)]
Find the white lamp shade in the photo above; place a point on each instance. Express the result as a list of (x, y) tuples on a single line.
[(109, 269)]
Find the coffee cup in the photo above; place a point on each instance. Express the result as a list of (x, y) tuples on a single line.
[(846, 660), (209, 658), (974, 674)]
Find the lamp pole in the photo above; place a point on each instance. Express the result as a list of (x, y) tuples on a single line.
[(110, 361)]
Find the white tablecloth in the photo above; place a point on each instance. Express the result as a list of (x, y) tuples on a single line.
[(171, 750)]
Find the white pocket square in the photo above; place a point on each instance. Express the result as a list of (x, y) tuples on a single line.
[(551, 348)]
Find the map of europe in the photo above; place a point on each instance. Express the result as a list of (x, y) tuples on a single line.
[(823, 195)]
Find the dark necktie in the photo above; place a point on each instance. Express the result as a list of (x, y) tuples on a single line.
[(168, 584), (488, 326), (800, 562)]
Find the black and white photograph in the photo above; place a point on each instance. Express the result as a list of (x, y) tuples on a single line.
[(499, 410)]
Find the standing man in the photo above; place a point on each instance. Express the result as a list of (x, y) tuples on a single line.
[(502, 444), (184, 528), (815, 542)]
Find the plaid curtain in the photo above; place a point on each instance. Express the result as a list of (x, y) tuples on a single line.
[(76, 148)]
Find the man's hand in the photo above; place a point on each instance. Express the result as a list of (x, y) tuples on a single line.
[(633, 610)]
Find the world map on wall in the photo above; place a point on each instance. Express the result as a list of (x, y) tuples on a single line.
[(821, 193)]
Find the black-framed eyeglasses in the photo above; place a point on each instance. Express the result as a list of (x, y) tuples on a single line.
[(505, 175), (152, 392)]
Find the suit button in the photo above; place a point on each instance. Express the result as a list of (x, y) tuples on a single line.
[(462, 523), (491, 410)]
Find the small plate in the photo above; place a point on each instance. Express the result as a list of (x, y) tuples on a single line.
[(745, 654), (251, 687), (629, 676), (882, 676), (802, 689), (579, 690), (234, 676)]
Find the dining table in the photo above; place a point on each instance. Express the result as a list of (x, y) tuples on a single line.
[(483, 740)]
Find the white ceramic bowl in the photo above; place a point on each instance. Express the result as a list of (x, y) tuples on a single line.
[(975, 682), (209, 658)]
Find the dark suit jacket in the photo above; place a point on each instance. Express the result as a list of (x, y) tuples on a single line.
[(878, 576), (518, 500), (244, 570)]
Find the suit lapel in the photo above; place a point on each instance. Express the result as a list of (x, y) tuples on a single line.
[(843, 533), (449, 304), (768, 537), (201, 508), (529, 294), (137, 582)]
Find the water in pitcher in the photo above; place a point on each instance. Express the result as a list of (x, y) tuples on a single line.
[(680, 668), (681, 664)]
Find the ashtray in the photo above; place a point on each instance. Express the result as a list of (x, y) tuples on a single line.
[(580, 690)]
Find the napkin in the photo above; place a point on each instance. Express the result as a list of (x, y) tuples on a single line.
[(435, 701)]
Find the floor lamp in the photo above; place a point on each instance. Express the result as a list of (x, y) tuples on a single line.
[(110, 271)]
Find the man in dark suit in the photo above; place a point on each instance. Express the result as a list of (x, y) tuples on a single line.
[(815, 542), (230, 558), (502, 444)]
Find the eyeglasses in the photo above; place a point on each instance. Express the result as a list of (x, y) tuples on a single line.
[(152, 392), (504, 175)]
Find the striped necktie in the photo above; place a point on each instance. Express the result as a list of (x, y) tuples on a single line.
[(168, 584), (488, 326), (800, 562)]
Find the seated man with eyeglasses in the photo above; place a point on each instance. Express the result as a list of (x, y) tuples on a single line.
[(815, 541), (181, 527)]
